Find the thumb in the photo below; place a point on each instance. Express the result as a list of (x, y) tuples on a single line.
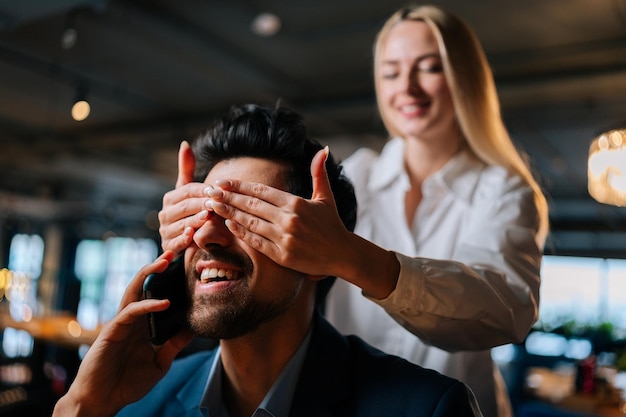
[(321, 184), (186, 164)]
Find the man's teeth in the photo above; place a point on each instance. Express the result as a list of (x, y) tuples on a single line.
[(215, 274)]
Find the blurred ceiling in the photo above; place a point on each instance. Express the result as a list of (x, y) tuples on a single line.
[(157, 71)]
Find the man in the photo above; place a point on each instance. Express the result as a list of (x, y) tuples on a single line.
[(277, 356)]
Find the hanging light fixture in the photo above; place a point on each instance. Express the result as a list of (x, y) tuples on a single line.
[(69, 35), (81, 107), (607, 167), (266, 24)]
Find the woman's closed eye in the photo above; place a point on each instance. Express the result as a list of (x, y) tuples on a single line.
[(430, 69)]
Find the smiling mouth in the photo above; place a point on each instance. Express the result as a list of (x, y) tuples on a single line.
[(408, 108), (217, 275)]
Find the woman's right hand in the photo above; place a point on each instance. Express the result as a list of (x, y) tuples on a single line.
[(184, 209)]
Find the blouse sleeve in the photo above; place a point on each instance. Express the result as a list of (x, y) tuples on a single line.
[(489, 294)]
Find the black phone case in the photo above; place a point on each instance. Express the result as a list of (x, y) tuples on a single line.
[(170, 284)]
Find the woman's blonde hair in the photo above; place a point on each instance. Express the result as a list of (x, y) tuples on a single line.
[(474, 95)]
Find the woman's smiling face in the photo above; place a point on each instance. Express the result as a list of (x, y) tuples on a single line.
[(412, 90)]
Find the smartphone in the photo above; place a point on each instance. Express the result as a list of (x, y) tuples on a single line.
[(170, 284)]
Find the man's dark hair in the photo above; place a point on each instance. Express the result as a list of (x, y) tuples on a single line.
[(276, 134)]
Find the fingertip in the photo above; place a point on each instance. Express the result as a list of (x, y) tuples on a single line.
[(166, 256), (160, 263), (219, 208), (224, 183), (318, 164), (169, 255), (232, 226)]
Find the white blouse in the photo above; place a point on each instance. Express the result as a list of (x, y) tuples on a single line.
[(469, 274)]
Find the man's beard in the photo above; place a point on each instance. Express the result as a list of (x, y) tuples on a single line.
[(232, 314)]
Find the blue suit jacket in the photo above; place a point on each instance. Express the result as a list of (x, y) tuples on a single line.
[(341, 376)]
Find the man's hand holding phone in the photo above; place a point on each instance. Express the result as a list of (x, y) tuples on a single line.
[(123, 365)]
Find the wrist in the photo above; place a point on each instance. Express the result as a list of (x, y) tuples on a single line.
[(373, 269), (67, 406)]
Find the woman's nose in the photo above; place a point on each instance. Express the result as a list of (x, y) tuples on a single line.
[(213, 232), (410, 81)]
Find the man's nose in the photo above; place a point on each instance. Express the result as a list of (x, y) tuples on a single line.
[(213, 232)]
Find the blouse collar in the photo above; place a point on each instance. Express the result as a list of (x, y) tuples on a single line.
[(459, 175)]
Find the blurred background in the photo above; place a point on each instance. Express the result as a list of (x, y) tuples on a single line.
[(80, 187)]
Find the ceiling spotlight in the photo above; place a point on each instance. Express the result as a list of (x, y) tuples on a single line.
[(69, 35), (81, 107), (266, 24), (607, 167), (68, 38)]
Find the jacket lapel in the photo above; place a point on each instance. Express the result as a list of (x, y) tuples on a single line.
[(322, 388), (191, 393)]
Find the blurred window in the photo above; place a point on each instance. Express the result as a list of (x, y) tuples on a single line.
[(20, 289), (587, 291), (577, 292), (105, 268)]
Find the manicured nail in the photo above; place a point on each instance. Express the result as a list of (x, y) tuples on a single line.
[(232, 226), (219, 207), (223, 183), (216, 193), (208, 189)]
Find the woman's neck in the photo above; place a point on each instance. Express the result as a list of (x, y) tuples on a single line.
[(421, 160)]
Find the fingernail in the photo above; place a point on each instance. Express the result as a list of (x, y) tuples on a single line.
[(223, 183), (208, 204), (204, 214), (216, 193), (232, 226), (208, 189), (326, 152), (219, 207)]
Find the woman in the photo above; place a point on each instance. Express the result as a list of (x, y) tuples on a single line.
[(451, 224)]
